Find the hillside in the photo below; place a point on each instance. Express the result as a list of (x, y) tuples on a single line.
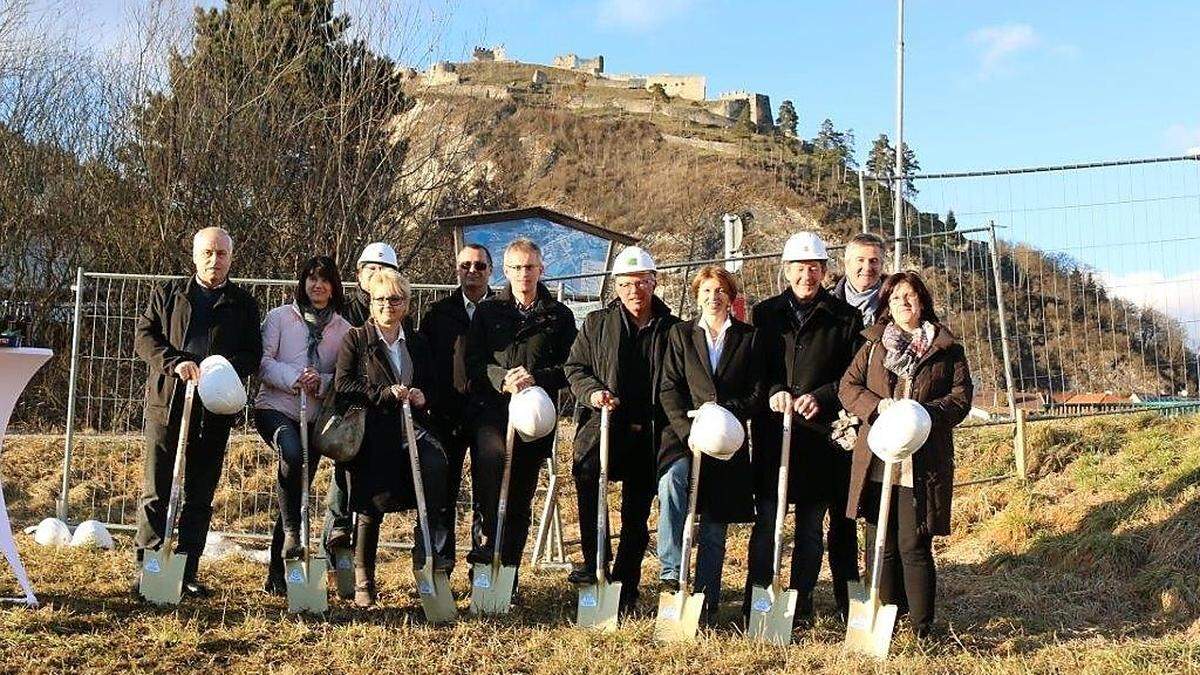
[(1092, 566)]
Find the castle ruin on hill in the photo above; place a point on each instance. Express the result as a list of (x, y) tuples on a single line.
[(724, 111)]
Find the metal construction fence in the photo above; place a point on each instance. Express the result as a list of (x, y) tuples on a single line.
[(1040, 283)]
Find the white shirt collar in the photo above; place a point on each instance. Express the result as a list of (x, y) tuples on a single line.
[(390, 345), (703, 325)]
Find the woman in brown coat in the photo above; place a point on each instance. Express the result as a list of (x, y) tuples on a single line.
[(908, 354)]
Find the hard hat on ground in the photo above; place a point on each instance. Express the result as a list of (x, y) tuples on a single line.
[(804, 246), (52, 532), (532, 413), (899, 431), (92, 534), (716, 432), (221, 390), (380, 253), (633, 259)]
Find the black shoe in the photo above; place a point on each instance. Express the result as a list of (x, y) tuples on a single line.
[(274, 585), (480, 556), (582, 576), (668, 586), (195, 589), (293, 548), (339, 537), (629, 602)]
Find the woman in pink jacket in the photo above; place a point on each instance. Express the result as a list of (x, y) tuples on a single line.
[(300, 347)]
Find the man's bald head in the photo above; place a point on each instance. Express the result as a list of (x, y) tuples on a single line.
[(212, 253)]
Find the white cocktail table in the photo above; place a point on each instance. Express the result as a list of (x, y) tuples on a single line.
[(17, 366)]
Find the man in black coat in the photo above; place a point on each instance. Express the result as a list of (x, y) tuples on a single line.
[(519, 338), (186, 321), (445, 327), (863, 262), (616, 363), (815, 337)]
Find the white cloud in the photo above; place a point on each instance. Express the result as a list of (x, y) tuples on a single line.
[(640, 15), (1177, 296), (998, 44), (1184, 137)]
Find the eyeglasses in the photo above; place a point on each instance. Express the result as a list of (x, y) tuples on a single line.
[(640, 284), (476, 265), (390, 301), (523, 268)]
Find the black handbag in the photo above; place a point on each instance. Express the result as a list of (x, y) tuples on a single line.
[(338, 434)]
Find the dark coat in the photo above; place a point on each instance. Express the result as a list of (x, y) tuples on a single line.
[(444, 327), (594, 365), (501, 338), (381, 474), (357, 308), (941, 383), (726, 487), (161, 332), (805, 359)]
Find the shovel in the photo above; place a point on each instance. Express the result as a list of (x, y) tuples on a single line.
[(433, 587), (162, 570), (773, 608), (492, 585), (870, 624), (679, 613), (599, 602), (307, 589)]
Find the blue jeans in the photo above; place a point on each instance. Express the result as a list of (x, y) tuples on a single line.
[(710, 556)]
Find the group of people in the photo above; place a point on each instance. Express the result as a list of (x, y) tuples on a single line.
[(833, 358)]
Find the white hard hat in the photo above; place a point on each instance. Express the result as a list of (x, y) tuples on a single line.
[(378, 252), (221, 390), (899, 431), (52, 532), (532, 413), (92, 534), (716, 432), (633, 259), (804, 246)]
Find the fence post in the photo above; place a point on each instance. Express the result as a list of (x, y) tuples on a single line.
[(1008, 376), (1019, 445), (64, 489)]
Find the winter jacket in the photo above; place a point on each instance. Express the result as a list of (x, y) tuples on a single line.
[(285, 355)]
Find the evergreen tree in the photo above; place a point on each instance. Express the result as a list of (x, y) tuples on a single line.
[(788, 120), (745, 123), (881, 161)]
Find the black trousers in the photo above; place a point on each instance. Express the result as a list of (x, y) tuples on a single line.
[(457, 441), (638, 487), (206, 445), (908, 578), (282, 434), (487, 469)]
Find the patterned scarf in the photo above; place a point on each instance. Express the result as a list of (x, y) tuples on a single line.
[(316, 320), (905, 349)]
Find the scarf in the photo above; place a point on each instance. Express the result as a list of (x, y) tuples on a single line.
[(316, 320), (802, 309), (866, 301), (905, 349)]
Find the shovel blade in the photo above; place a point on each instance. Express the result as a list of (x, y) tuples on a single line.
[(772, 611), (307, 589), (678, 616), (436, 598), (599, 605), (869, 628), (343, 572), (492, 589), (162, 577)]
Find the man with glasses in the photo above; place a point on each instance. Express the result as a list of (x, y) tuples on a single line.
[(615, 363), (519, 338), (445, 328)]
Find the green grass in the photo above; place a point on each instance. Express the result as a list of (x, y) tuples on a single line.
[(1092, 566)]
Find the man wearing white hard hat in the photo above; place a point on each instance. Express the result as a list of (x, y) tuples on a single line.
[(814, 337), (374, 257), (616, 363), (186, 321), (518, 339), (339, 521)]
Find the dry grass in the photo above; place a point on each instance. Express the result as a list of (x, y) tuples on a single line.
[(1092, 566)]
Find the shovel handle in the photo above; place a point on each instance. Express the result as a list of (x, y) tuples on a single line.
[(785, 456), (602, 509), (881, 526), (502, 507), (418, 482), (304, 514), (689, 524), (177, 472)]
